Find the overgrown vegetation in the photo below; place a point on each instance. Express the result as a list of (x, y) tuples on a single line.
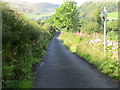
[(90, 47), (94, 26), (87, 42), (24, 44), (113, 29)]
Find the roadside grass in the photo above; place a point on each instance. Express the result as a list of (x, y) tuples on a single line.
[(92, 50)]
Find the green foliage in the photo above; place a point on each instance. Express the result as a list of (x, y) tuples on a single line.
[(94, 26), (50, 20), (25, 84), (67, 17), (112, 30), (90, 16), (73, 42), (91, 27), (94, 23), (113, 35), (112, 26), (50, 28), (95, 15), (92, 52), (24, 44)]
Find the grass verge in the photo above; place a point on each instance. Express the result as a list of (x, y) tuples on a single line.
[(93, 52)]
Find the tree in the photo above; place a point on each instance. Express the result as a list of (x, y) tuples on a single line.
[(94, 18), (95, 15), (66, 17), (49, 25)]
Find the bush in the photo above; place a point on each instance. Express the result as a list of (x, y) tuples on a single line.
[(112, 26), (91, 27), (112, 35), (112, 30)]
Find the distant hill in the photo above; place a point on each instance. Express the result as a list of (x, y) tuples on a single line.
[(33, 10), (105, 0), (86, 7)]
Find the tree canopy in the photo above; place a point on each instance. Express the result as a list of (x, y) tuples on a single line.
[(66, 17)]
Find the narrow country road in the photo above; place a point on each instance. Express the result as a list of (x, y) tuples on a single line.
[(62, 69)]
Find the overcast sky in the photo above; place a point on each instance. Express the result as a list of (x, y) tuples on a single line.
[(50, 1)]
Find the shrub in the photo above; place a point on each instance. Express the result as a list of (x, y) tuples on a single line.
[(91, 27)]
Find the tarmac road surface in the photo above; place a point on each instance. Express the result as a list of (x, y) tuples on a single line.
[(62, 69)]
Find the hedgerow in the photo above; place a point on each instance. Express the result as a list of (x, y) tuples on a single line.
[(24, 44)]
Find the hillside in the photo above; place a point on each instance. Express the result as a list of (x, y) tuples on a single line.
[(105, 0), (89, 6), (35, 10)]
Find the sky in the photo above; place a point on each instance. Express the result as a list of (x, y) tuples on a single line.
[(50, 1)]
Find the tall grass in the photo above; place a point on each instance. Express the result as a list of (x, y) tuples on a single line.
[(24, 44), (90, 47)]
